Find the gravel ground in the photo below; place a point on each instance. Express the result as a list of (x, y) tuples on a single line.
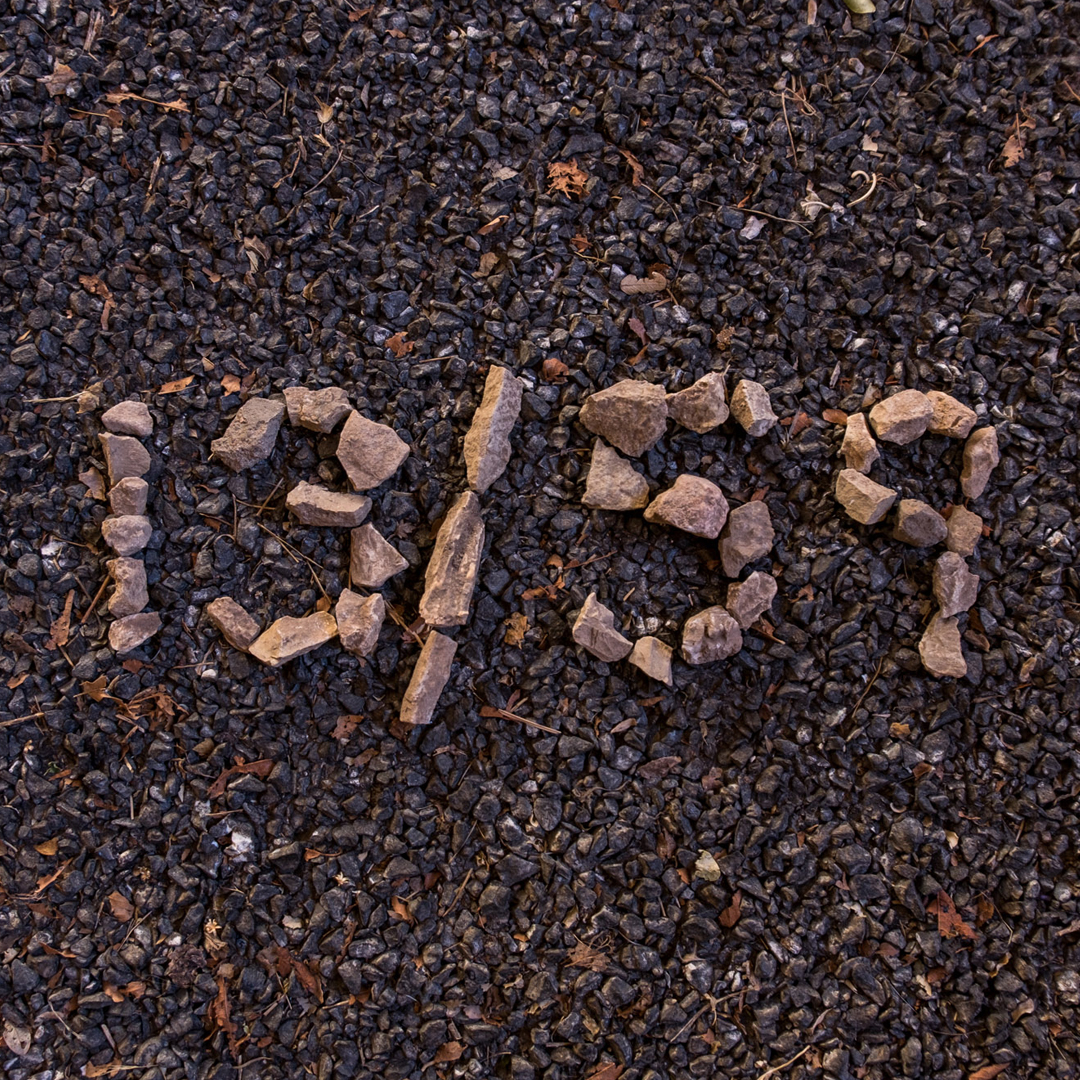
[(812, 851)]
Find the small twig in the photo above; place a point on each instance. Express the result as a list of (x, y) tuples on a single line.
[(1070, 89), (712, 82), (783, 1065), (787, 124), (869, 686), (297, 554), (329, 173), (872, 180), (273, 492), (457, 895), (22, 719), (93, 603), (491, 710)]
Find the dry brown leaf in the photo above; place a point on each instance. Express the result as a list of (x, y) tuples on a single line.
[(345, 727), (61, 629), (638, 328), (48, 847), (516, 628), (665, 845), (636, 169), (488, 261), (325, 112), (122, 908), (605, 1070), (61, 78), (988, 1072), (799, 424), (17, 680), (492, 225), (95, 483), (950, 924), (579, 243), (118, 97), (835, 416), (632, 285), (307, 978), (898, 730), (110, 1068), (230, 384), (658, 767), (399, 909), (398, 345), (585, 956), (219, 1015), (176, 385), (95, 688), (624, 725), (356, 16), (449, 1051), (730, 915), (553, 370), (568, 178)]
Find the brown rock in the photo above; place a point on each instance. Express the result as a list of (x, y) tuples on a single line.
[(487, 443), (429, 677), (965, 531), (919, 524), (612, 482), (903, 417), (751, 406), (124, 456), (594, 630), (702, 406), (316, 505), (710, 635), (630, 415), (748, 600), (249, 439), (132, 630), (373, 561), (693, 504), (287, 638), (129, 496), (955, 586), (369, 453), (359, 621), (129, 586), (129, 418), (951, 417), (747, 536), (981, 456), (940, 649), (653, 657), (858, 448), (126, 534), (317, 410), (451, 572), (863, 500), (237, 627)]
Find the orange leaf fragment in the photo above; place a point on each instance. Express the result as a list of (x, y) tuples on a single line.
[(398, 345), (176, 385), (835, 416), (730, 915), (568, 178), (553, 370), (950, 924)]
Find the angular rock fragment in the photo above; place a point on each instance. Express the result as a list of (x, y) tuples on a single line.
[(747, 536), (653, 657), (317, 410), (748, 600), (594, 630), (981, 456), (237, 627), (702, 406), (951, 417), (631, 415), (903, 417), (129, 586), (693, 504), (965, 531), (710, 635), (372, 560), (955, 586), (451, 572), (287, 638), (128, 496), (124, 456), (752, 407), (429, 677), (940, 649), (249, 439), (315, 505), (863, 500), (128, 418), (369, 453), (487, 442), (359, 620), (612, 482), (132, 630), (858, 448), (126, 534), (919, 524)]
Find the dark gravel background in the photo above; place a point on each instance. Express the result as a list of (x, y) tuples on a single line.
[(481, 898)]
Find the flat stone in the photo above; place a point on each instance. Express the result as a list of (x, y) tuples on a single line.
[(249, 439), (129, 586), (752, 407), (127, 533), (369, 453), (317, 410), (132, 630), (287, 638), (710, 635), (951, 417), (631, 415), (429, 677), (919, 523), (124, 456), (594, 630), (940, 649), (373, 561), (487, 442), (612, 482), (981, 456), (653, 657), (748, 535), (955, 587), (693, 504), (861, 498), (965, 531), (359, 620), (237, 627), (858, 448), (748, 600), (451, 571), (128, 496), (129, 418), (315, 505), (903, 417), (702, 406)]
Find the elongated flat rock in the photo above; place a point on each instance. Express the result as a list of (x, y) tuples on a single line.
[(287, 638), (965, 531), (981, 457), (124, 456), (693, 504), (317, 410), (249, 439), (359, 621), (951, 417), (127, 534), (451, 572), (487, 443), (903, 417), (369, 453), (237, 627), (128, 496), (710, 635), (955, 587), (653, 657), (612, 482), (748, 600), (630, 415), (939, 648), (429, 678), (752, 407), (748, 535), (133, 630), (858, 448), (128, 418), (373, 561), (702, 406), (594, 630), (129, 586), (863, 500), (315, 505)]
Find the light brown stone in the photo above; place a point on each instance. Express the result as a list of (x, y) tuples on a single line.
[(372, 560), (359, 621), (903, 417), (451, 571), (250, 437), (748, 600), (919, 524), (693, 504), (612, 482), (429, 678), (129, 496), (710, 635), (124, 456), (653, 657), (317, 410), (594, 630), (631, 415), (315, 505), (369, 453), (128, 418), (748, 535), (861, 498), (237, 627), (487, 442), (127, 534), (752, 407), (129, 586), (955, 586), (940, 649), (981, 456), (287, 638), (951, 417), (133, 630), (965, 531), (702, 406), (858, 448)]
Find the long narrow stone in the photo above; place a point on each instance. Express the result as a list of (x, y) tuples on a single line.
[(430, 675), (451, 572), (359, 620), (487, 444), (287, 638)]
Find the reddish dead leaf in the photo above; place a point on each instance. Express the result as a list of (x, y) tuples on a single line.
[(399, 909), (113, 992), (345, 726), (632, 285), (261, 768), (176, 385), (658, 767), (988, 1072), (800, 423), (730, 915), (307, 978), (44, 882), (1013, 151), (888, 950), (554, 370), (398, 345), (121, 907), (712, 779), (665, 845), (624, 725), (95, 688), (637, 171), (605, 1070), (230, 384), (759, 494), (17, 680), (356, 16), (516, 628), (950, 924), (922, 769), (638, 327), (449, 1051), (61, 628), (219, 1016), (580, 243), (95, 484), (48, 847), (936, 975), (835, 416), (492, 225), (654, 700), (58, 81), (568, 178)]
